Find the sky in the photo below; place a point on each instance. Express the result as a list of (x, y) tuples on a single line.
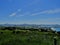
[(30, 11)]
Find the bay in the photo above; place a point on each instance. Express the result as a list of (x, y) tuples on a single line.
[(57, 29)]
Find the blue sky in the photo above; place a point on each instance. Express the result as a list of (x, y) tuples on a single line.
[(30, 11)]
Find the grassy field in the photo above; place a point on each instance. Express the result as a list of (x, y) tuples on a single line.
[(24, 37)]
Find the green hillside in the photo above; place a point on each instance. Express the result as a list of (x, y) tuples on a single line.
[(26, 37)]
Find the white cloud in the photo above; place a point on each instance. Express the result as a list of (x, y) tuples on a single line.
[(47, 12), (15, 13)]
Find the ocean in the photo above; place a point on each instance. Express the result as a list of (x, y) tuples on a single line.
[(57, 29)]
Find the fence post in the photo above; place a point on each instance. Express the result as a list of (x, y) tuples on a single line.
[(55, 40)]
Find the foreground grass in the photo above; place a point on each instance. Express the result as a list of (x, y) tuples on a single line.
[(27, 38)]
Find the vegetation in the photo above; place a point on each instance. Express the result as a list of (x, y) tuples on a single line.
[(22, 36)]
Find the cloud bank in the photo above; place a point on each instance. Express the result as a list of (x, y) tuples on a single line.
[(47, 12)]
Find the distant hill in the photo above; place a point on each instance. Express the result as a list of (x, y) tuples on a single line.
[(32, 25)]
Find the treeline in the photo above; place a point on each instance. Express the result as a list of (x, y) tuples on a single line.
[(24, 28), (30, 29)]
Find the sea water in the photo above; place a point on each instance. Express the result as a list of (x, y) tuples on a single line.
[(57, 29)]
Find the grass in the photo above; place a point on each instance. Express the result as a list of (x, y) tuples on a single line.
[(27, 38)]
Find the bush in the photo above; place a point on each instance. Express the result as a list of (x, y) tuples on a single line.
[(13, 32), (1, 32), (17, 32)]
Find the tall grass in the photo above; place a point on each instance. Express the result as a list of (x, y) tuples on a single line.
[(27, 38)]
